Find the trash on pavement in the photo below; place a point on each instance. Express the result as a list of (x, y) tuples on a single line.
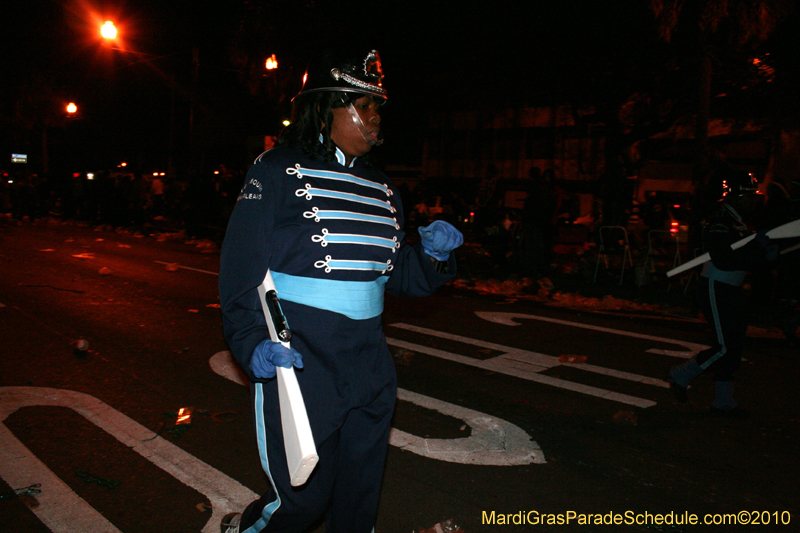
[(81, 348), (401, 355), (172, 267), (25, 495), (573, 359), (182, 422), (203, 507), (85, 255), (184, 415), (89, 477), (105, 271), (33, 489)]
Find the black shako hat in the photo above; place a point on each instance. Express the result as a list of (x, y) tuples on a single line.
[(345, 71)]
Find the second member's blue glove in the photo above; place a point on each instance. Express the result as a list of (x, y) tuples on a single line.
[(771, 250), (439, 239), (269, 354)]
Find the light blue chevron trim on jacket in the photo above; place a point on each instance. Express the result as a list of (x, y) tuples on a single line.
[(344, 264), (350, 238), (310, 192), (326, 214), (301, 172), (358, 300)]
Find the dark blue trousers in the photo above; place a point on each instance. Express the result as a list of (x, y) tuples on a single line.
[(725, 309), (344, 487)]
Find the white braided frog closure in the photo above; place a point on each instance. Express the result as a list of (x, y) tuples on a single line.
[(327, 214), (352, 238), (330, 264), (301, 172), (310, 192)]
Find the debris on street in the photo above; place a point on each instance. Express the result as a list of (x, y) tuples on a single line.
[(180, 422), (572, 359), (401, 355), (33, 489), (81, 348), (89, 477), (184, 415)]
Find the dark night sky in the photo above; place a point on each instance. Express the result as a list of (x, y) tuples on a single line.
[(435, 54)]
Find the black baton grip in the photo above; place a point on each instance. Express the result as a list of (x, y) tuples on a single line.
[(278, 319)]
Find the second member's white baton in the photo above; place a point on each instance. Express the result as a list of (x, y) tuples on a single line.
[(301, 453), (786, 231)]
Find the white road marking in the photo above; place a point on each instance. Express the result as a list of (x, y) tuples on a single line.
[(527, 365), (508, 320), (190, 268), (60, 508), (530, 360), (514, 364), (493, 441)]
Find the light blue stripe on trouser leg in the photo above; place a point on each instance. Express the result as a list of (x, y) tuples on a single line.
[(261, 437), (717, 326)]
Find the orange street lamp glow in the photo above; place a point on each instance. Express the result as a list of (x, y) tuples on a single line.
[(108, 31), (272, 62), (72, 108)]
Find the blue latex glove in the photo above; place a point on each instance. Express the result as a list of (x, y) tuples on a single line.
[(269, 354), (439, 239), (771, 250)]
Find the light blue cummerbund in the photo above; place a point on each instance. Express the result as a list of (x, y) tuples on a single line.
[(358, 300), (730, 277)]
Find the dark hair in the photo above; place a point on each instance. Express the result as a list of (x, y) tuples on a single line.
[(309, 113)]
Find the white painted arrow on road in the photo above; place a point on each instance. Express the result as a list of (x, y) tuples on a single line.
[(508, 319), (525, 365), (530, 365), (492, 441)]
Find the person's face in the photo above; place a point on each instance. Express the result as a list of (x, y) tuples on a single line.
[(352, 138)]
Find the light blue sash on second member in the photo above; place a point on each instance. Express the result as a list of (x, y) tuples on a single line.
[(358, 300)]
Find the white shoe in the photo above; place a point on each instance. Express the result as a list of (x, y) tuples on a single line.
[(230, 523)]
